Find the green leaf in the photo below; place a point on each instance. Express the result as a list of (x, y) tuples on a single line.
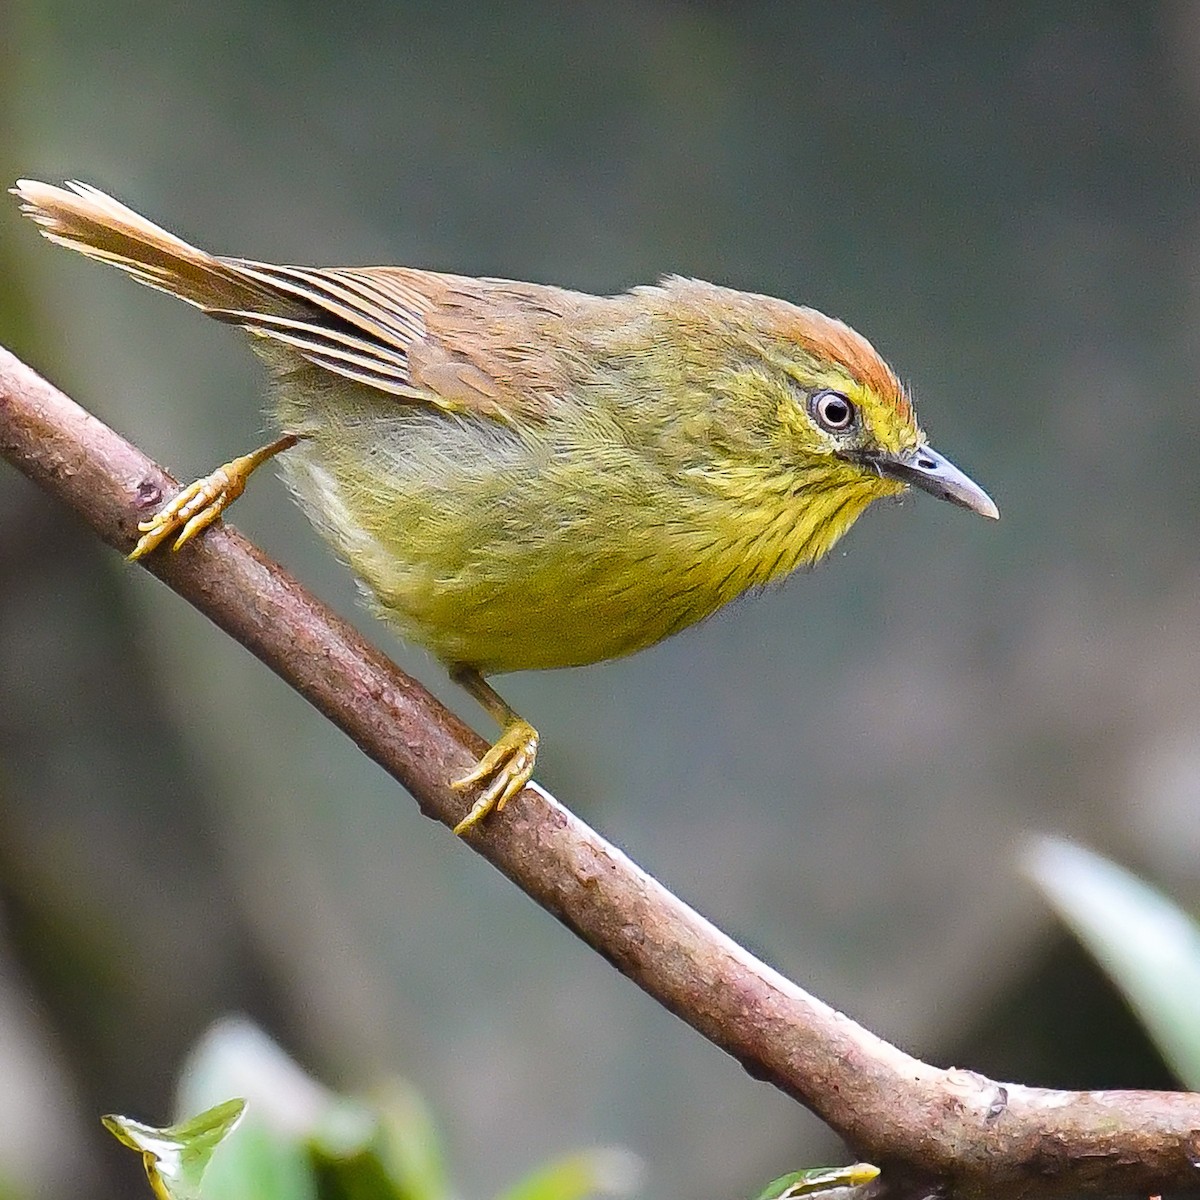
[(606, 1171), (409, 1143), (269, 1159), (261, 1164), (1146, 944), (387, 1151), (303, 1140), (176, 1157), (818, 1179)]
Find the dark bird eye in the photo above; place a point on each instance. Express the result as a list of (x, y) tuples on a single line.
[(832, 410)]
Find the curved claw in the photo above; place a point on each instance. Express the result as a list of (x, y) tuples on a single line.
[(202, 502), (503, 771), (191, 512)]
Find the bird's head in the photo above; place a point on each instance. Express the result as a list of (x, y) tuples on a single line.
[(819, 395), (844, 411), (808, 423)]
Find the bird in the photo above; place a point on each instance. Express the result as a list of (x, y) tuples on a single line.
[(527, 477)]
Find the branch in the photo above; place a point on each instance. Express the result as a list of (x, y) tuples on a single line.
[(928, 1128)]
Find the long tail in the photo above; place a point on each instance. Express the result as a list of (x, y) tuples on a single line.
[(87, 220), (356, 322)]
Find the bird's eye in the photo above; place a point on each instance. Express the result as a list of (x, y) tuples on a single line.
[(832, 410)]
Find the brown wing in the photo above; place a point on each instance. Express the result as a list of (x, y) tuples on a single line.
[(339, 319), (468, 345)]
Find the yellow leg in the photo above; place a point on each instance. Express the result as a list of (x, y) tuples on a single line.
[(506, 768), (201, 503)]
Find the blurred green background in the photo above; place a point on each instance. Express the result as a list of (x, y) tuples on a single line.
[(839, 772)]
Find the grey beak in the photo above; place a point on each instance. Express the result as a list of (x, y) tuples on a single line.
[(925, 468)]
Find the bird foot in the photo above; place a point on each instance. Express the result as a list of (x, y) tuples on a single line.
[(193, 510), (202, 502), (503, 771)]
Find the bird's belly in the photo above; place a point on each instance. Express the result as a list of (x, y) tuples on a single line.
[(522, 626), (493, 581)]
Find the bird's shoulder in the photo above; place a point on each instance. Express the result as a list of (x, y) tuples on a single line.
[(496, 346)]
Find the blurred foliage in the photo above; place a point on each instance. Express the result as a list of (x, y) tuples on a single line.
[(302, 1142), (299, 1141), (1147, 944)]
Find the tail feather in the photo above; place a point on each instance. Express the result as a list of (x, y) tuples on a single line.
[(355, 323), (85, 219)]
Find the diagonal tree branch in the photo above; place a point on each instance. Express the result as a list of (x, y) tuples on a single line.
[(934, 1131)]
